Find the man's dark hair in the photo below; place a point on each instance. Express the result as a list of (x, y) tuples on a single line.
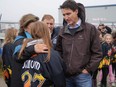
[(81, 12), (71, 4)]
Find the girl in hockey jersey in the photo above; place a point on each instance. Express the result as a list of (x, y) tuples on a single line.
[(41, 70), (24, 32)]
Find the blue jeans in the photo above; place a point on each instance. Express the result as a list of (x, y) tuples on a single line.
[(81, 80)]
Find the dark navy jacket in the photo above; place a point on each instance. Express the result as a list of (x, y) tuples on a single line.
[(105, 48), (46, 73), (54, 36), (17, 64), (7, 55)]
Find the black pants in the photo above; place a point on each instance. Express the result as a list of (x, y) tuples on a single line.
[(94, 78), (114, 68), (105, 71), (95, 74)]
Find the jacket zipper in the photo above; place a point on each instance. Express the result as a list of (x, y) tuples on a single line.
[(71, 52)]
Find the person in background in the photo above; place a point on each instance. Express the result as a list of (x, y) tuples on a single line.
[(79, 45), (104, 29), (47, 67), (95, 74), (50, 21), (24, 33), (10, 35), (106, 63)]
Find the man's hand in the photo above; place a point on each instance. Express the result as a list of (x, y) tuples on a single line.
[(40, 48)]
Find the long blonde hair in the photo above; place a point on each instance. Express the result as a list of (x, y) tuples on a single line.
[(10, 35), (39, 30)]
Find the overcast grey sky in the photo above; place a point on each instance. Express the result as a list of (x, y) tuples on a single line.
[(12, 10)]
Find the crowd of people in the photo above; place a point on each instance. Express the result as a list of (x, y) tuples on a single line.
[(42, 55), (107, 64)]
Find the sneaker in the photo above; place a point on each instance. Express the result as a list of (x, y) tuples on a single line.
[(113, 84)]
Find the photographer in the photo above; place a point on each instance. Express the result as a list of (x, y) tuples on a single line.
[(104, 29)]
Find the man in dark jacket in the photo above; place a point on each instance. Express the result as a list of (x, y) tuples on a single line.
[(50, 21), (79, 45)]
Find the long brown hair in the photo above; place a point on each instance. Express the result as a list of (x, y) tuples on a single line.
[(10, 35), (39, 30), (26, 20)]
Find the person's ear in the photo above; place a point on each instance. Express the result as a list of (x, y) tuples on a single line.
[(76, 11)]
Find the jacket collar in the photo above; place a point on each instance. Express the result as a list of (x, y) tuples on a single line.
[(77, 24), (66, 30)]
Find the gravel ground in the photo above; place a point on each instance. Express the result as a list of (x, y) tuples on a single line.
[(2, 83)]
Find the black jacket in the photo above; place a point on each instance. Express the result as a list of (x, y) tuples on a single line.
[(81, 50), (7, 55), (46, 73), (105, 48), (16, 63), (54, 36)]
